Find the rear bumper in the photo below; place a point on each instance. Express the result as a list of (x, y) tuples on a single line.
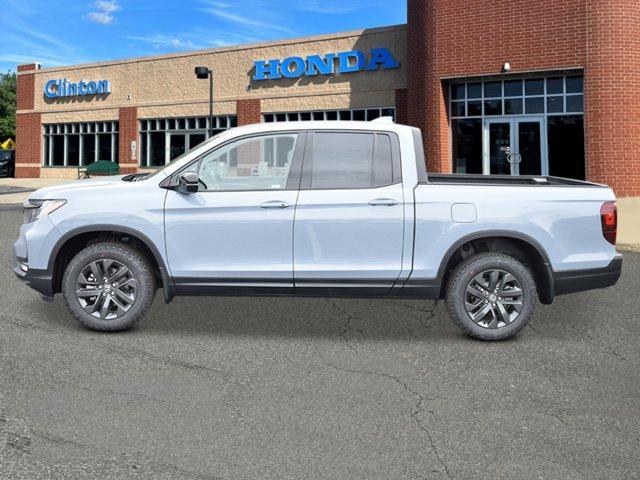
[(580, 280)]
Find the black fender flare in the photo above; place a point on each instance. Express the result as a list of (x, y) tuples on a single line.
[(545, 291), (167, 281)]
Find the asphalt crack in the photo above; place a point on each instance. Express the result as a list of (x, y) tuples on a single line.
[(346, 328), (430, 313), (56, 440), (534, 329), (553, 415), (415, 413), (128, 352)]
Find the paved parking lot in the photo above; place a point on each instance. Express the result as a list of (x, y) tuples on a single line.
[(314, 388)]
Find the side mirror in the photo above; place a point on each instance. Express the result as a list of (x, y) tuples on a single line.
[(188, 182)]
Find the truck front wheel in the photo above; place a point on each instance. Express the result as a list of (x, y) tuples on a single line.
[(491, 296), (108, 286)]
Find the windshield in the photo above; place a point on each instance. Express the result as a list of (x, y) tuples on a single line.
[(180, 157)]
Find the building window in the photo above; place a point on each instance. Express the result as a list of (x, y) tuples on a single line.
[(164, 139), (78, 144), (363, 114), (514, 126), (549, 95)]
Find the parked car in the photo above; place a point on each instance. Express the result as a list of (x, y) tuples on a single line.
[(331, 209), (7, 163)]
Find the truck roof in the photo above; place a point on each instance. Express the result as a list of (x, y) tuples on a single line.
[(380, 124)]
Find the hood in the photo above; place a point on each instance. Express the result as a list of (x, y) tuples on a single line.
[(59, 191)]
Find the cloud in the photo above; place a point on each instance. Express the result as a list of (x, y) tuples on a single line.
[(246, 21), (104, 11), (217, 4), (327, 6), (164, 41), (25, 44)]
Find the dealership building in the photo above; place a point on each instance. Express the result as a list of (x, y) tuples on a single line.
[(501, 87)]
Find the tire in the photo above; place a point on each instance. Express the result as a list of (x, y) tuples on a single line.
[(469, 294), (128, 294)]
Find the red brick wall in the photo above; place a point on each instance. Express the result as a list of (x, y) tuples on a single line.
[(28, 66), (474, 37), (450, 38), (28, 126), (128, 132), (25, 91), (612, 93), (248, 111), (401, 105), (28, 144)]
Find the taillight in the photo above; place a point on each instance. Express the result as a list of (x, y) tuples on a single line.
[(609, 219)]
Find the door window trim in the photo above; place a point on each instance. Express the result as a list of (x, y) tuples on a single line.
[(307, 164), (293, 179)]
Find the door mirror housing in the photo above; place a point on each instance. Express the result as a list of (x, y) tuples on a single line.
[(188, 182)]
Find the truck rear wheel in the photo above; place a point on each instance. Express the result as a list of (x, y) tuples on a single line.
[(491, 296), (108, 286)]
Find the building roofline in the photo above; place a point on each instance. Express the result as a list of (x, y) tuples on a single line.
[(231, 48)]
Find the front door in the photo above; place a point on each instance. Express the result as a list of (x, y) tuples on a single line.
[(514, 146), (236, 233)]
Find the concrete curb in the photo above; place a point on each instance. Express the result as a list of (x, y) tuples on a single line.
[(22, 190), (628, 247)]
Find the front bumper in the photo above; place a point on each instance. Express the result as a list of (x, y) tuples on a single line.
[(580, 280), (40, 280)]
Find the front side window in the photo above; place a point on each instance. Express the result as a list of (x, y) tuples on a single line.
[(256, 163)]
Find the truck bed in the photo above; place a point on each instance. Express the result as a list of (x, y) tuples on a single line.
[(505, 180)]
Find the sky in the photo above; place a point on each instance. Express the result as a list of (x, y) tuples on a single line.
[(58, 33)]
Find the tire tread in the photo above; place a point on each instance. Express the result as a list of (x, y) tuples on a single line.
[(485, 259), (134, 256)]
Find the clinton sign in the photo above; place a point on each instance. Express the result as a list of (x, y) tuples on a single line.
[(328, 64), (65, 88)]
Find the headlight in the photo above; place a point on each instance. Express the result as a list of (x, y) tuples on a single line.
[(36, 209)]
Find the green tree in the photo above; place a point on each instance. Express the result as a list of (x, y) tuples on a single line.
[(7, 106)]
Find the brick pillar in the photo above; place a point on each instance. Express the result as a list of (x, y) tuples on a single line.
[(426, 101), (128, 132), (28, 125), (612, 94), (248, 111), (401, 106)]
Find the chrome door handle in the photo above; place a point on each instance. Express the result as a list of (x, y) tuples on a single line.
[(274, 204), (385, 202)]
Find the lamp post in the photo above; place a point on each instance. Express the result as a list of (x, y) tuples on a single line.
[(203, 73)]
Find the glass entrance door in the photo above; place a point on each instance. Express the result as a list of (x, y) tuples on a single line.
[(529, 146), (514, 146), (498, 145)]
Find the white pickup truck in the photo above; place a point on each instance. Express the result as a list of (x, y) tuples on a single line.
[(318, 209)]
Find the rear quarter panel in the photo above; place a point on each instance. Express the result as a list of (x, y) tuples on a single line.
[(564, 221)]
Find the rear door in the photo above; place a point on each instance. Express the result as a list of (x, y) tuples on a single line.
[(348, 229)]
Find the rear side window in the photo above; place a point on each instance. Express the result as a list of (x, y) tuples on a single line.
[(342, 160), (350, 160), (382, 161)]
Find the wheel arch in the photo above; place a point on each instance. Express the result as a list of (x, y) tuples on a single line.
[(523, 247), (74, 240)]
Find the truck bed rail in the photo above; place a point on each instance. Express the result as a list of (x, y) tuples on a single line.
[(505, 180)]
